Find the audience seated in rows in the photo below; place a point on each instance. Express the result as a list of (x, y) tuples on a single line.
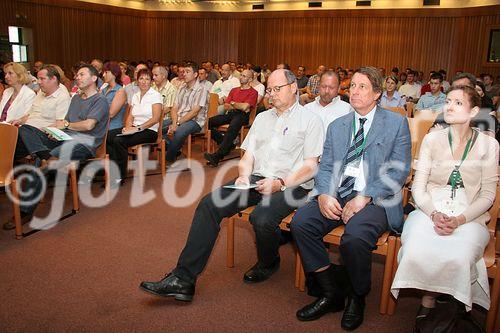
[(86, 122)]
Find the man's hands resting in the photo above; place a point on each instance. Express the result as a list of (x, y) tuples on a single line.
[(331, 209)]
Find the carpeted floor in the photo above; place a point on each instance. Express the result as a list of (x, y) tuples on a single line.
[(83, 274)]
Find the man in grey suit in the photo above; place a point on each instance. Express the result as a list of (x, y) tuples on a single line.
[(365, 162)]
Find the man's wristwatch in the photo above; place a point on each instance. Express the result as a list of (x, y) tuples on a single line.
[(66, 124), (178, 123), (232, 103), (283, 186)]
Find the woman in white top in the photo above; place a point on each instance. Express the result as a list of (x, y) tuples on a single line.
[(443, 240), (18, 98), (141, 124)]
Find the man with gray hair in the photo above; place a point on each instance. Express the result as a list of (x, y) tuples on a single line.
[(167, 91), (281, 156), (364, 165)]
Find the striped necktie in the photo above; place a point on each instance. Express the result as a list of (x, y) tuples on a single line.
[(353, 156)]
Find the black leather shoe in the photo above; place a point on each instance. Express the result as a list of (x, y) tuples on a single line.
[(320, 307), (213, 159), (170, 286), (354, 312), (259, 274)]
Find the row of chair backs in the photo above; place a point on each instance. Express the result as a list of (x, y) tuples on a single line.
[(8, 141)]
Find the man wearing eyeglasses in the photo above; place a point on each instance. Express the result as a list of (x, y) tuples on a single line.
[(275, 175)]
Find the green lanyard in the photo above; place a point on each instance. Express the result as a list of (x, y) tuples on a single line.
[(360, 149), (455, 176)]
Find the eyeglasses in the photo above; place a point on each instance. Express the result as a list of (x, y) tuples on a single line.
[(277, 88)]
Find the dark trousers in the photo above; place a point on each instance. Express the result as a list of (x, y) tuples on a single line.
[(265, 219), (117, 146), (362, 231), (236, 120)]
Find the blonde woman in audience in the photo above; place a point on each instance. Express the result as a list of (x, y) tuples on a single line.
[(390, 96), (125, 78), (18, 98), (141, 125), (455, 185)]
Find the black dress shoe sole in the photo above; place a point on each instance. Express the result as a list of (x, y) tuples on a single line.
[(178, 297), (333, 310), (249, 281), (351, 328)]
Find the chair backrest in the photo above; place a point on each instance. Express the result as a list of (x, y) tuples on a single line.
[(489, 252), (160, 126), (401, 111), (419, 127), (127, 112), (410, 107), (213, 104), (101, 150), (253, 114), (8, 141), (492, 225)]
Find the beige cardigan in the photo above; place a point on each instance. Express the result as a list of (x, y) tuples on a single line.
[(479, 173)]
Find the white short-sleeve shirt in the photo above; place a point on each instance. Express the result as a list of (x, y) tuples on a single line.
[(280, 143), (142, 109), (47, 109), (336, 109), (222, 88)]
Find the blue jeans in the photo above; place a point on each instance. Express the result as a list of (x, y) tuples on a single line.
[(180, 135)]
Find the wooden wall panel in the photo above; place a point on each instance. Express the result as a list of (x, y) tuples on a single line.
[(66, 31), (195, 39)]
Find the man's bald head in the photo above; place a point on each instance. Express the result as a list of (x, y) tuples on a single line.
[(225, 71)]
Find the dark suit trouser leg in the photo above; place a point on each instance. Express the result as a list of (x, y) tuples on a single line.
[(356, 245), (206, 225), (360, 237), (309, 227), (267, 217)]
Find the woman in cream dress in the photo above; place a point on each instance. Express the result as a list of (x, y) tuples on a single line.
[(443, 240)]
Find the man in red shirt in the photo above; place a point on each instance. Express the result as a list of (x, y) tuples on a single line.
[(238, 104)]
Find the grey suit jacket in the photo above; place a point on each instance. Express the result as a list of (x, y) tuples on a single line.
[(386, 161)]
